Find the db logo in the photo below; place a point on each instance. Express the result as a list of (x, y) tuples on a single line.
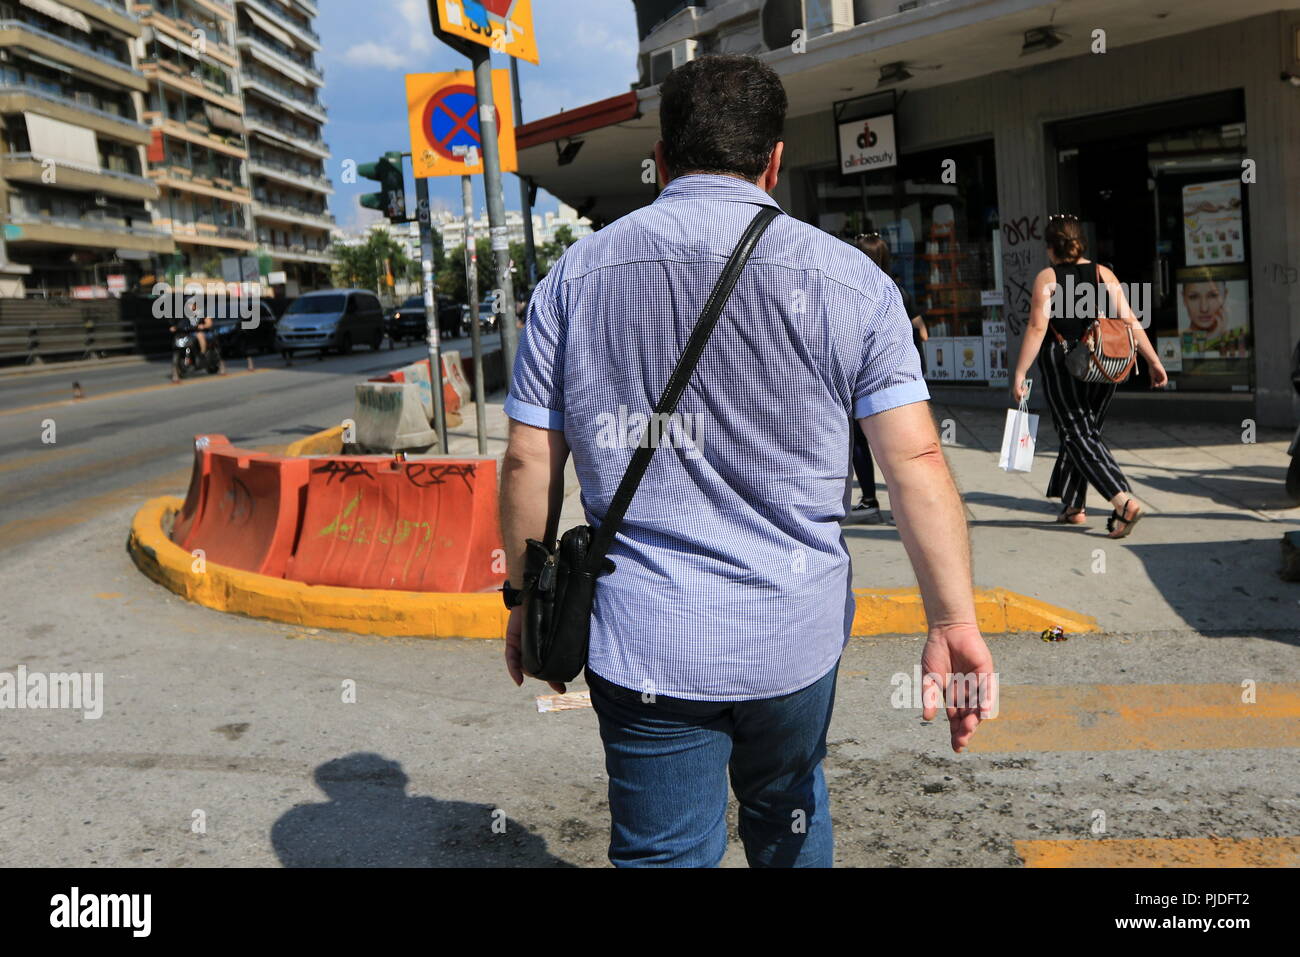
[(866, 138)]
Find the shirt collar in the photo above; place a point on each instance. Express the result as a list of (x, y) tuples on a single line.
[(729, 189)]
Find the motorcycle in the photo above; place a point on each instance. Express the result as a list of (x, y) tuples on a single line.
[(187, 357), (1293, 473)]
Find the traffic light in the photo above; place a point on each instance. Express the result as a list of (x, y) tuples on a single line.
[(391, 201)]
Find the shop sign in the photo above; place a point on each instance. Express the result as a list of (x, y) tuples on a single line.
[(868, 144)]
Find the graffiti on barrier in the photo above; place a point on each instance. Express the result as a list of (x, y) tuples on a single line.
[(429, 474), (342, 471)]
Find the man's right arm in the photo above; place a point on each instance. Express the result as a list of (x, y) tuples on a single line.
[(932, 523)]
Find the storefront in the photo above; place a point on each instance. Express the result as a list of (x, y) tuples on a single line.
[(937, 210), (1160, 194)]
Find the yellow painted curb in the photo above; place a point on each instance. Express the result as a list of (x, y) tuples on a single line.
[(898, 611), (888, 611), (365, 611), (329, 442)]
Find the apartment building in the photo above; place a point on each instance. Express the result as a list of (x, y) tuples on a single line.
[(956, 127), (74, 194), (284, 117), (199, 153)]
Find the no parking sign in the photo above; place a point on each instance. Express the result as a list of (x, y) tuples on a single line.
[(444, 119)]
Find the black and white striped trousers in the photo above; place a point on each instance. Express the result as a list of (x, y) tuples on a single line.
[(1078, 410)]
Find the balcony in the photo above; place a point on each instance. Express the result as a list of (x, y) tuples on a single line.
[(25, 227), (188, 181), (199, 136), (221, 8), (298, 252), (109, 12), (172, 75), (285, 22), (24, 97), (31, 168), (43, 43), (286, 137), (288, 174), (209, 234), (184, 31), (263, 211), (285, 95), (278, 58)]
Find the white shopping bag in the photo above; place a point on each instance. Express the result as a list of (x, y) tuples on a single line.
[(1019, 436)]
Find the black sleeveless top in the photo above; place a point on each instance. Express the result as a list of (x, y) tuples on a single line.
[(1070, 279)]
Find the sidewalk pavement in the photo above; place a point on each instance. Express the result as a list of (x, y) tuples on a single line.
[(1205, 557)]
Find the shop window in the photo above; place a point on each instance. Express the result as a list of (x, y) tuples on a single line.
[(937, 210)]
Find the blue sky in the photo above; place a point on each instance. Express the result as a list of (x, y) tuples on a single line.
[(587, 50)]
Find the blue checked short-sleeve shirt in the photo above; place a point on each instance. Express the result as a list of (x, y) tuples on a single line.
[(732, 580)]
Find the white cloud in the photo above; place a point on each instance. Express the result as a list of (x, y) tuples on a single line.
[(374, 55)]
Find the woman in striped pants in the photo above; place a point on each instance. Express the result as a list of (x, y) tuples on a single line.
[(1079, 408)]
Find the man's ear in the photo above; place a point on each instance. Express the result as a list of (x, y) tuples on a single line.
[(661, 164), (767, 182)]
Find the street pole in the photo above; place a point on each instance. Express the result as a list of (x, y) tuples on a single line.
[(525, 188), (475, 330), (504, 294), (431, 310)]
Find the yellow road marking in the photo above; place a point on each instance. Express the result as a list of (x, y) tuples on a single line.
[(139, 390), (1157, 852), (1141, 718), (28, 461)]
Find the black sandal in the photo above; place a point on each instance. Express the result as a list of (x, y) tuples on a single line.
[(1125, 520)]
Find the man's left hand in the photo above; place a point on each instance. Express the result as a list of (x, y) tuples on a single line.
[(514, 653)]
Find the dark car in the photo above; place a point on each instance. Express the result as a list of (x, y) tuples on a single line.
[(407, 323), (239, 337)]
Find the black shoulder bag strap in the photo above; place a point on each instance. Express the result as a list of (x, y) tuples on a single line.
[(713, 306)]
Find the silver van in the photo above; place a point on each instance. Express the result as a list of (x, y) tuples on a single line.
[(335, 319)]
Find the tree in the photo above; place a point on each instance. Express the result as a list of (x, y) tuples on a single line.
[(364, 265)]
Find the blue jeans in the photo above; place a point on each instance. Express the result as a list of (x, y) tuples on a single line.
[(668, 762)]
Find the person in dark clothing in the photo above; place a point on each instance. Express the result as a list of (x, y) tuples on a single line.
[(867, 511), (1079, 408)]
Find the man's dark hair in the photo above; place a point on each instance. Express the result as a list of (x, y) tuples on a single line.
[(721, 113)]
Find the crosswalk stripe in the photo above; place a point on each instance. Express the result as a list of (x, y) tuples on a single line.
[(1142, 718), (1157, 852)]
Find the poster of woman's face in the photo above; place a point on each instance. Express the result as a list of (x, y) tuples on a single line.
[(1214, 318)]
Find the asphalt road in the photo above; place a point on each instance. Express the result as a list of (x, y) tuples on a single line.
[(1171, 738), (132, 431)]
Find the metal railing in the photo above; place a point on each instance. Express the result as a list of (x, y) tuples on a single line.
[(282, 19), (33, 330), (71, 102), (323, 217), (297, 136), (264, 167), (84, 50), (279, 89), (277, 52), (25, 218), (79, 167)]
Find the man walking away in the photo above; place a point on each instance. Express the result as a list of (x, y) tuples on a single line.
[(715, 642)]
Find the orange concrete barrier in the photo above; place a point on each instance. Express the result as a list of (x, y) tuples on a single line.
[(250, 512), (197, 494), (423, 525)]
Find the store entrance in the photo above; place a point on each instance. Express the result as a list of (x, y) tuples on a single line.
[(1159, 194)]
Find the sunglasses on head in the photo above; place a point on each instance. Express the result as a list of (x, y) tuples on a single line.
[(862, 236), (1063, 217)]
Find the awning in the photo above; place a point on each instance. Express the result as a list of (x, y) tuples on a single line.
[(223, 119), (280, 64), (56, 10), (54, 139), (281, 35)]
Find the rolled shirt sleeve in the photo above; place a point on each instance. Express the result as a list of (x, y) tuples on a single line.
[(890, 374), (537, 387)]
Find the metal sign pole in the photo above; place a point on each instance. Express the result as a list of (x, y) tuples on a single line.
[(504, 294), (431, 311), (471, 291), (525, 188)]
